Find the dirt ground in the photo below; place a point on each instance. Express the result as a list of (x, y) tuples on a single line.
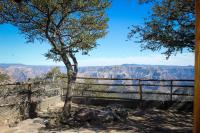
[(139, 121), (149, 121)]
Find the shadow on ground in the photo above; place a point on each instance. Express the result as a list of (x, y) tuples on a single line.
[(138, 121)]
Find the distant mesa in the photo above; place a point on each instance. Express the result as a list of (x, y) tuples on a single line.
[(21, 72)]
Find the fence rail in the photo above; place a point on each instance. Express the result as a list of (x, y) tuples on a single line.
[(171, 84), (190, 80)]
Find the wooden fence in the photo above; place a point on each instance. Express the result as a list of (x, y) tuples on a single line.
[(171, 86), (14, 98)]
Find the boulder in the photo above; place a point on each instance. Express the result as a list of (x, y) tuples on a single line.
[(84, 114), (105, 116), (117, 111)]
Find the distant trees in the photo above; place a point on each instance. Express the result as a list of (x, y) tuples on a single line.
[(53, 74), (171, 26), (4, 78), (70, 26)]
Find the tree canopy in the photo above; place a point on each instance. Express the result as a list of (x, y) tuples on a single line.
[(53, 73), (170, 26), (70, 26)]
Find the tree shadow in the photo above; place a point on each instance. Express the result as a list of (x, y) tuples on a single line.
[(139, 120), (160, 121)]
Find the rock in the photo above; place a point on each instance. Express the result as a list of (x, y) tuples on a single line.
[(38, 120), (46, 123), (117, 111), (108, 114), (105, 116), (84, 115)]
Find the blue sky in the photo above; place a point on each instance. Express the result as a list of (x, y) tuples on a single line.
[(113, 48)]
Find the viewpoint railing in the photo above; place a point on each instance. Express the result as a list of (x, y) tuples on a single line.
[(37, 88), (16, 96), (119, 88), (130, 88)]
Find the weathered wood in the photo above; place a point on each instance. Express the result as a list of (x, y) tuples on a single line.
[(105, 91), (114, 98), (107, 84), (140, 84), (140, 90), (135, 92), (136, 84), (197, 71), (180, 94), (4, 105), (107, 78), (167, 80), (26, 83), (186, 86), (171, 90)]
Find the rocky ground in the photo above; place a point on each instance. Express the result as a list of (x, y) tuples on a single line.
[(136, 121)]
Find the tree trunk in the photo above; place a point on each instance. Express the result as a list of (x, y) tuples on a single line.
[(68, 95), (27, 102), (197, 72), (72, 71)]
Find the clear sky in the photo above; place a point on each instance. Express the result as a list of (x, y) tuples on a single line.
[(113, 49)]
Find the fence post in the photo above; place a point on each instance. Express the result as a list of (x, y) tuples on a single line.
[(140, 89), (196, 115), (171, 90)]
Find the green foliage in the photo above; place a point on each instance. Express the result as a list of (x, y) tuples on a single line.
[(4, 78), (69, 26), (171, 26), (53, 74)]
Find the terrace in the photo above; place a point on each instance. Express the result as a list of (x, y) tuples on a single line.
[(152, 105)]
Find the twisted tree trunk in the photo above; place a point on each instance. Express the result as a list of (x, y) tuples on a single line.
[(72, 71), (68, 96)]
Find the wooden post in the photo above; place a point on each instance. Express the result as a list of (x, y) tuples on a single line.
[(171, 90), (197, 71), (27, 103), (140, 89)]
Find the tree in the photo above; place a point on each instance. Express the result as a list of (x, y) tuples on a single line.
[(171, 26), (70, 26), (53, 74)]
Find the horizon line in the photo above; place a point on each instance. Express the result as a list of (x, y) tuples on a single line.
[(92, 65)]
